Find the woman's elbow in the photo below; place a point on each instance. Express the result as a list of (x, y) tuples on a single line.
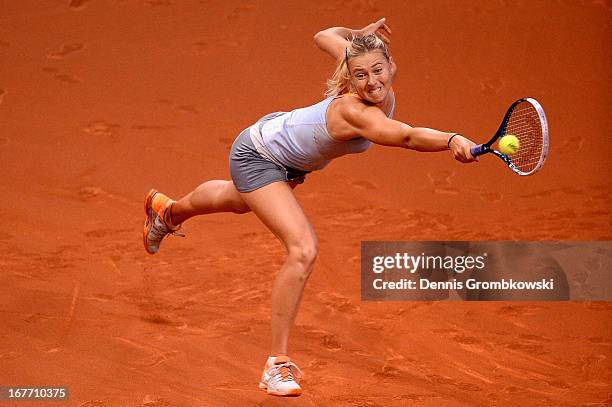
[(411, 145), (392, 141), (405, 137), (319, 37)]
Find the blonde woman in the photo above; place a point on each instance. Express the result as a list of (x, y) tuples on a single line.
[(273, 156)]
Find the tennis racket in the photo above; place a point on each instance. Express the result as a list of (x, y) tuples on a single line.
[(526, 120)]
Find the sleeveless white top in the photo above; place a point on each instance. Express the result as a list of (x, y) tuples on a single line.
[(299, 139)]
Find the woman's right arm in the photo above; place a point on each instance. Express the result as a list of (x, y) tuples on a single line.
[(334, 40)]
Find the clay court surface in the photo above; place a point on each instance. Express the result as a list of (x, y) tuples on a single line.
[(102, 100)]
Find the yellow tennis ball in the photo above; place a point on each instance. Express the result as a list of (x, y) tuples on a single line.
[(509, 144)]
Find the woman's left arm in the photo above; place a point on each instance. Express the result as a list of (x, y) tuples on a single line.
[(334, 40)]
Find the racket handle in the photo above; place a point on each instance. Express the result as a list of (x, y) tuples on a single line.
[(477, 150)]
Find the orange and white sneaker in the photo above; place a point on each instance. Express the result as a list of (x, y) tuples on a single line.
[(278, 377), (155, 226)]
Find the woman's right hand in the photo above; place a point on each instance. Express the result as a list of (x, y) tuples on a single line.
[(380, 28), (460, 148)]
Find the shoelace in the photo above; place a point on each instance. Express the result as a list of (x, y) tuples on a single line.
[(285, 371), (160, 230)]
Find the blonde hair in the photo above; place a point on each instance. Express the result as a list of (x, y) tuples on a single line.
[(340, 82)]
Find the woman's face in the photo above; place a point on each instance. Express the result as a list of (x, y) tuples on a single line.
[(371, 76)]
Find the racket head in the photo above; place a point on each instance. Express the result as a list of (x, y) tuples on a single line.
[(526, 120)]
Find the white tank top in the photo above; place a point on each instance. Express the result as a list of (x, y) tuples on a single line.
[(299, 139)]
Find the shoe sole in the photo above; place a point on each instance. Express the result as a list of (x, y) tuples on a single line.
[(148, 218), (291, 393)]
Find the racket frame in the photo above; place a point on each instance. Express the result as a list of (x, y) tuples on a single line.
[(486, 147)]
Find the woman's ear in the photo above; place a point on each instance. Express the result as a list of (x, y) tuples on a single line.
[(393, 68)]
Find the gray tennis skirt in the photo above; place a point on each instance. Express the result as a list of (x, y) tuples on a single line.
[(251, 171)]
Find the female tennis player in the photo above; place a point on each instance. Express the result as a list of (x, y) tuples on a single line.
[(273, 156)]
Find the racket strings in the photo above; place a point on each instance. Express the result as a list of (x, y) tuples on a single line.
[(524, 123)]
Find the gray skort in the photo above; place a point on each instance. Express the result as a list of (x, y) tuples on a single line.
[(251, 171)]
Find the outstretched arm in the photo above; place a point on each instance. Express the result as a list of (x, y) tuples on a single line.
[(371, 123), (334, 40)]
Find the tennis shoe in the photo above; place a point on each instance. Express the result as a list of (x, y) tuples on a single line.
[(156, 227), (278, 378)]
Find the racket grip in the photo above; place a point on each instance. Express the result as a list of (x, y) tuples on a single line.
[(477, 150)]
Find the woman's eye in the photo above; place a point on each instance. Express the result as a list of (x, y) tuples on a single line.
[(360, 76)]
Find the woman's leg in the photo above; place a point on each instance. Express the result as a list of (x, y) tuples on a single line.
[(276, 206), (209, 197)]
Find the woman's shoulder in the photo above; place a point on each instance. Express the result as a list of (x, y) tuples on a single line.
[(342, 114), (351, 103), (348, 102), (349, 98), (345, 105)]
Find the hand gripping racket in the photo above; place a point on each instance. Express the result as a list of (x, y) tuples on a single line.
[(526, 120)]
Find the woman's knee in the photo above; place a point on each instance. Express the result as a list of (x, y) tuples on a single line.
[(305, 252), (237, 204), (240, 208)]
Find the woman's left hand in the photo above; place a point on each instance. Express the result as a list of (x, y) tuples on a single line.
[(460, 147), (380, 28)]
